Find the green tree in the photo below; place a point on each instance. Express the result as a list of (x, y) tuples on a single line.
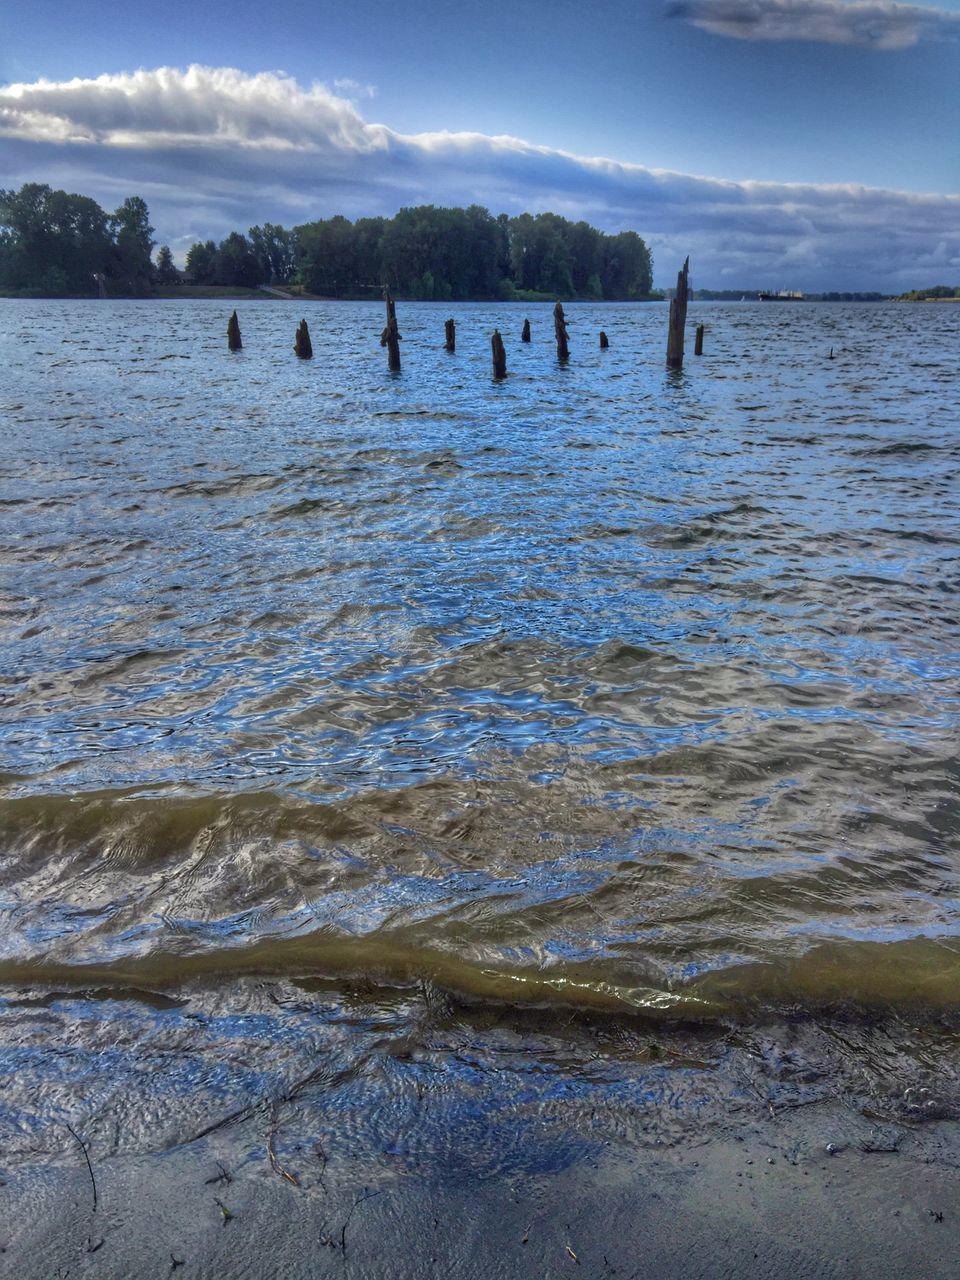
[(237, 264), (556, 266), (275, 249), (584, 243), (166, 271), (52, 242), (367, 237), (327, 256), (132, 267), (627, 268), (202, 264)]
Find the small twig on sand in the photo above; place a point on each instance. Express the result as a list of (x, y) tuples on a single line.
[(240, 1114), (83, 1147), (367, 1195), (222, 1176), (275, 1164), (227, 1215)]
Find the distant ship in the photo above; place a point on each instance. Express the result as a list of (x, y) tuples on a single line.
[(783, 295)]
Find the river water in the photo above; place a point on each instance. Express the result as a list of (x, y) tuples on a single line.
[(600, 693)]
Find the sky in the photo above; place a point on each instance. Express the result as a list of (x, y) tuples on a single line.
[(810, 144)]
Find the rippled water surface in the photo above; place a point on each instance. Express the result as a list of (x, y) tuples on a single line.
[(599, 686)]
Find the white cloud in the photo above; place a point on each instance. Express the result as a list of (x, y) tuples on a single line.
[(871, 24), (212, 150), (202, 106)]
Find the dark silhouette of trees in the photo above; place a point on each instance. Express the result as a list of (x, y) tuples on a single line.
[(132, 267), (237, 264), (275, 249), (165, 271), (55, 243), (202, 263), (446, 254), (52, 242)]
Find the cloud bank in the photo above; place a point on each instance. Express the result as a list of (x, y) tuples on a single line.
[(211, 150), (871, 24)]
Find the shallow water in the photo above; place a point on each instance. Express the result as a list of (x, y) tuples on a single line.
[(601, 686)]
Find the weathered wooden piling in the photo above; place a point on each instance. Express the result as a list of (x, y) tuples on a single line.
[(234, 341), (559, 324), (303, 346), (604, 341), (678, 319), (499, 355), (450, 335), (525, 336), (390, 338), (698, 345)]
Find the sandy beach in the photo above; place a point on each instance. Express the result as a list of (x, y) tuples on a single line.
[(768, 1199)]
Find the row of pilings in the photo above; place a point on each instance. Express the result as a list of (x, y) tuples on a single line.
[(390, 338)]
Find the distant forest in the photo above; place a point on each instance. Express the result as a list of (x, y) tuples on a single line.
[(52, 243), (55, 243), (936, 293)]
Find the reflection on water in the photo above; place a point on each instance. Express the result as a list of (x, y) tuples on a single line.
[(599, 686)]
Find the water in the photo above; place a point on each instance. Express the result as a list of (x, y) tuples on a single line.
[(601, 692)]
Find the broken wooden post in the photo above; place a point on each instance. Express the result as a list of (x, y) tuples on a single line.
[(450, 335), (604, 342), (559, 324), (390, 338), (525, 336), (499, 355), (303, 346), (698, 345), (678, 319), (234, 341)]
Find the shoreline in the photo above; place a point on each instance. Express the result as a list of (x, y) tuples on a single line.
[(769, 1200), (216, 294), (259, 1129)]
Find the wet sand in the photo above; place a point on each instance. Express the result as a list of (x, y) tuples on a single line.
[(767, 1199)]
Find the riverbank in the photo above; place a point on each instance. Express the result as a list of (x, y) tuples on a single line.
[(263, 1127), (791, 1194)]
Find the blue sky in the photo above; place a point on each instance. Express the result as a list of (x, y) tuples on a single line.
[(790, 106)]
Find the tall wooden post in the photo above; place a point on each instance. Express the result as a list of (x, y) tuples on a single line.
[(303, 346), (450, 335), (560, 327), (604, 341), (678, 319), (698, 345), (234, 341), (390, 338), (525, 336), (499, 355)]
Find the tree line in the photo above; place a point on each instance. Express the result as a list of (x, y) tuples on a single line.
[(935, 293), (434, 254), (55, 243), (52, 242)]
